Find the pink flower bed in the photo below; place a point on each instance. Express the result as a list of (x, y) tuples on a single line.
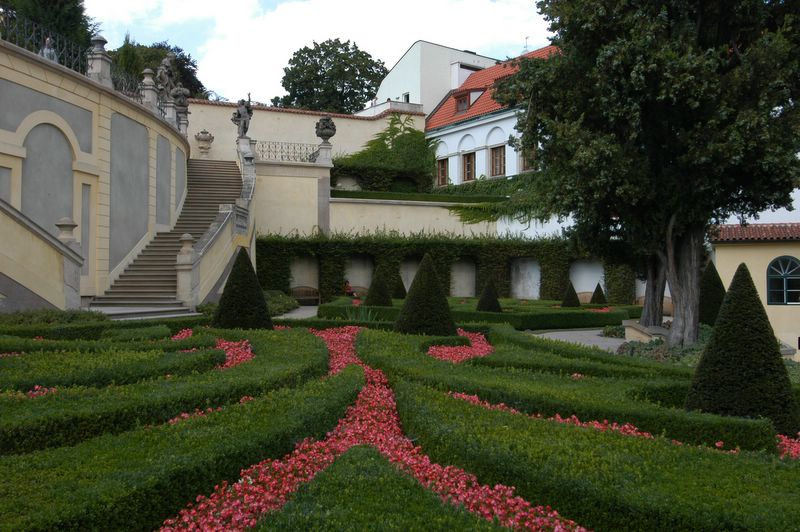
[(789, 447), (235, 352), (356, 302), (182, 334), (604, 309), (197, 413), (38, 391), (459, 353), (373, 420)]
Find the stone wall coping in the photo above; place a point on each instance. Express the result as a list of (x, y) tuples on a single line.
[(410, 203)]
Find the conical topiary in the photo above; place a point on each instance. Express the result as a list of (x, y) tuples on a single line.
[(396, 282), (488, 301), (242, 305), (598, 296), (712, 292), (570, 297), (425, 310), (378, 293), (741, 372)]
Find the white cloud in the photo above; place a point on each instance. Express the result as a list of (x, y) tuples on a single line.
[(249, 46)]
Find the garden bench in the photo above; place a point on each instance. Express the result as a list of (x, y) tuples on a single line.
[(305, 295)]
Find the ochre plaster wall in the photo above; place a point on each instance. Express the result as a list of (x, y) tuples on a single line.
[(785, 319), (282, 125), (34, 91)]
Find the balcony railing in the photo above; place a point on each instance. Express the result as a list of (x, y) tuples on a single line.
[(38, 39), (285, 151)]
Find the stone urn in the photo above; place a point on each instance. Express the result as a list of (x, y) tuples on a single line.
[(325, 129), (204, 140)]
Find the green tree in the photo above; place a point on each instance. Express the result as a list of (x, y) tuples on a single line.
[(741, 372), (133, 57), (65, 17), (425, 309), (332, 76), (242, 305), (657, 119), (712, 293)]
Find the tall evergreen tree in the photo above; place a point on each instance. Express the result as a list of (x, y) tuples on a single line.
[(712, 293), (65, 17), (242, 305), (741, 372), (379, 293), (425, 309)]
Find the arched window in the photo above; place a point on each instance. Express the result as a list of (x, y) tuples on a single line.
[(783, 281)]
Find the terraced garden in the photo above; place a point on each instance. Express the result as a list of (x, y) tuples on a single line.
[(179, 427)]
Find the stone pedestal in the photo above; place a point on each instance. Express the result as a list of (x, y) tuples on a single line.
[(169, 113), (244, 146), (184, 268), (149, 90), (325, 154), (99, 64), (182, 118), (204, 140), (72, 270)]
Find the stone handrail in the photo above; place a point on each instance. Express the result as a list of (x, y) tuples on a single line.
[(268, 150), (202, 265)]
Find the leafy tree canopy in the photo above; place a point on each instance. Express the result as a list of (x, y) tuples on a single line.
[(332, 76), (656, 119), (65, 17), (133, 57)]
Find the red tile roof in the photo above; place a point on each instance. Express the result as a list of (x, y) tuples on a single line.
[(731, 233), (482, 80)]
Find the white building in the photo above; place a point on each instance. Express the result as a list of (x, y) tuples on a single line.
[(427, 72)]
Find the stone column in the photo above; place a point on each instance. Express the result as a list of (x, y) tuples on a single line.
[(99, 65), (149, 90), (244, 146), (182, 118), (184, 266), (72, 269), (169, 112), (324, 154)]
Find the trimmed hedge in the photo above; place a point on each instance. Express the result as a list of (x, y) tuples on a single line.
[(95, 330), (133, 481), (620, 281), (379, 292), (425, 309), (537, 318), (242, 304), (589, 398), (712, 293), (150, 332), (414, 196), (570, 299), (13, 344), (741, 372), (488, 301), (362, 490), (604, 480), (598, 296), (284, 358), (118, 366)]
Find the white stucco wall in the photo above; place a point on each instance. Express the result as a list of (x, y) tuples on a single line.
[(424, 72), (525, 277)]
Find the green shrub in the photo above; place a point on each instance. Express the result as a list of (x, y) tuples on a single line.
[(151, 332), (379, 293), (284, 358), (603, 480), (488, 301), (13, 344), (362, 489), (425, 309), (116, 366), (741, 372), (712, 293), (614, 331), (429, 342), (279, 303), (242, 305), (598, 297), (620, 281), (133, 481), (589, 398), (58, 331), (570, 297), (396, 282), (50, 317)]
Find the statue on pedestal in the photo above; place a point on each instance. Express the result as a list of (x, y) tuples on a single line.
[(241, 117), (165, 77), (47, 51)]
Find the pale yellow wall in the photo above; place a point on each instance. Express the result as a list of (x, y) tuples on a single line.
[(287, 198), (407, 217), (32, 262), (785, 319), (280, 125), (92, 168)]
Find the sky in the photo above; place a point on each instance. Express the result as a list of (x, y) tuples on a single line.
[(242, 46)]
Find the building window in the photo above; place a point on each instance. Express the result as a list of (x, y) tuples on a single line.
[(462, 104), (468, 167), (498, 161), (783, 281), (406, 97), (441, 172)]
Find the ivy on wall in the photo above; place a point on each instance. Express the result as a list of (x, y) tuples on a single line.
[(492, 256), (620, 283)]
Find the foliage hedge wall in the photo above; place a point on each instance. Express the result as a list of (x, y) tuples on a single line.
[(492, 256)]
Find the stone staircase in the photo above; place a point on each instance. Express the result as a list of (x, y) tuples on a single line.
[(147, 288)]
